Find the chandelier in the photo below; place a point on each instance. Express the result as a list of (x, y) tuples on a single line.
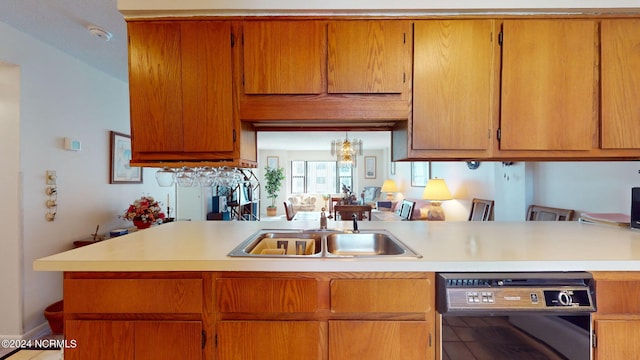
[(346, 151)]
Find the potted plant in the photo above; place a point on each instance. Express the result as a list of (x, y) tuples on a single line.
[(274, 178)]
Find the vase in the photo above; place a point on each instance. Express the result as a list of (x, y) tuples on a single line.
[(141, 224)]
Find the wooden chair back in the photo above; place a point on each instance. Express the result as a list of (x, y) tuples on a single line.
[(288, 208), (544, 213), (406, 209), (481, 210), (362, 211)]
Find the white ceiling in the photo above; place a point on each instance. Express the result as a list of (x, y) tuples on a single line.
[(63, 25)]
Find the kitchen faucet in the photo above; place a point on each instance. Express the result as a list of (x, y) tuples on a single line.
[(355, 223), (323, 220)]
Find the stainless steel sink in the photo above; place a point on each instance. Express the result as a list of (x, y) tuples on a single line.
[(362, 244), (280, 243), (322, 243)]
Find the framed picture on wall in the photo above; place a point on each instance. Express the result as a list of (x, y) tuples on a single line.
[(420, 173), (369, 167), (119, 169), (273, 162)]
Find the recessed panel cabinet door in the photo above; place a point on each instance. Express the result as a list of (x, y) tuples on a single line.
[(367, 56), (273, 340), (382, 340), (620, 49), (168, 340), (617, 339), (155, 86), (284, 57), (99, 339), (452, 87), (549, 85), (206, 86), (180, 86)]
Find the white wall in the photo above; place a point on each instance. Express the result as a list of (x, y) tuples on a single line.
[(59, 97), (10, 185), (586, 186)]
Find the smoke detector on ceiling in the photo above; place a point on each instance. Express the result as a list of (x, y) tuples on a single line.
[(100, 32)]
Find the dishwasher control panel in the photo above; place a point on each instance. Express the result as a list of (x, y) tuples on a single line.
[(499, 292)]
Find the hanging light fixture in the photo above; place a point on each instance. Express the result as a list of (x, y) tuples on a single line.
[(346, 151)]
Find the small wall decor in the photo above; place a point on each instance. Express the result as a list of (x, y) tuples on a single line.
[(120, 170), (420, 173), (273, 162), (369, 167), (392, 168)]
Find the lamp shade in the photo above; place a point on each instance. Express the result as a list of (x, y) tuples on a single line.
[(389, 186), (436, 190)]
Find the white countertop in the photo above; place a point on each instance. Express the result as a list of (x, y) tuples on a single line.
[(445, 246)]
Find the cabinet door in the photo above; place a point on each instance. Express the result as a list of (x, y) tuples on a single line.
[(168, 340), (99, 339), (140, 340), (180, 85), (452, 88), (381, 295), (549, 85), (620, 51), (367, 56), (155, 86), (384, 340), (206, 87), (616, 339), (284, 57), (271, 340), (266, 295)]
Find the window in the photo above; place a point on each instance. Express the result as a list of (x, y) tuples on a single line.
[(319, 177)]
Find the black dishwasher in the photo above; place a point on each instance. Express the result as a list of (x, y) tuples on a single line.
[(540, 315)]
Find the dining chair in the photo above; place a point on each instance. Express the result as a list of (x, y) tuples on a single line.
[(481, 210), (288, 208), (406, 209), (544, 213), (362, 211)]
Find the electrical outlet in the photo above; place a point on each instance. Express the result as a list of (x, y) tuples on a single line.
[(51, 177)]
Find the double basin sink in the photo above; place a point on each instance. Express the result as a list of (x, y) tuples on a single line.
[(292, 243)]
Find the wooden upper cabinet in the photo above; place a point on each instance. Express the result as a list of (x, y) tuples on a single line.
[(284, 57), (620, 49), (155, 86), (206, 87), (453, 87), (180, 87), (549, 85), (367, 56)]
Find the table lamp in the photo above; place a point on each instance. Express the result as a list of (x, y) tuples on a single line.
[(436, 192), (389, 186)]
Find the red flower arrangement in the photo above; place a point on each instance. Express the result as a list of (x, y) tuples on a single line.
[(146, 209)]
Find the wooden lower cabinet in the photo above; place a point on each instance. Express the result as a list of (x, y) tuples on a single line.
[(271, 340), (383, 340), (140, 340), (617, 339), (617, 322), (249, 315), (331, 316)]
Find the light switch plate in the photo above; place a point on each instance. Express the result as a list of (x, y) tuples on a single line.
[(51, 177)]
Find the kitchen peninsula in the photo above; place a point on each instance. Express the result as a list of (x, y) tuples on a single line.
[(173, 288)]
